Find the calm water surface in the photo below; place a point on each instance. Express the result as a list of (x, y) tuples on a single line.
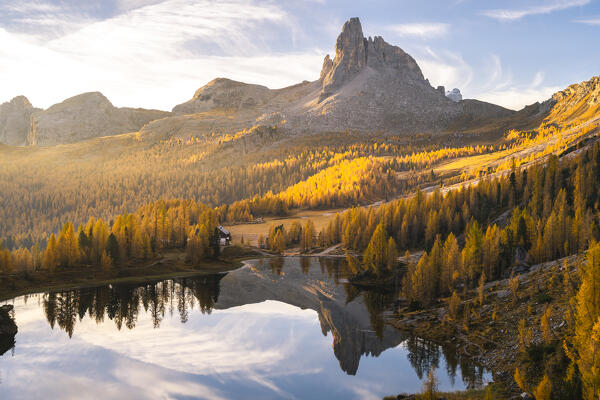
[(277, 328)]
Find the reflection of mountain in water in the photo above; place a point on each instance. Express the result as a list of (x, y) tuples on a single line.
[(353, 316)]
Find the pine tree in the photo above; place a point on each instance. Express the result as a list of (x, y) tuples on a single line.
[(454, 305), (106, 261), (586, 341), (392, 254), (451, 264), (279, 242), (376, 257), (308, 236), (68, 247), (112, 248), (471, 254), (520, 380), (545, 325), (543, 390), (51, 256)]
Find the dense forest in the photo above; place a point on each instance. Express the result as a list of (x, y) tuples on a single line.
[(43, 187), (486, 232), (249, 174), (538, 214), (173, 224)]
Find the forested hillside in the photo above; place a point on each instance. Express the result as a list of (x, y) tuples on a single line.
[(130, 238), (105, 177)]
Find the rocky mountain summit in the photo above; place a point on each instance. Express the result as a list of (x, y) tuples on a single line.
[(369, 85), (225, 94), (14, 121), (86, 116), (354, 53)]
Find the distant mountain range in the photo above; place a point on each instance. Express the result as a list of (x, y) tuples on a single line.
[(369, 85)]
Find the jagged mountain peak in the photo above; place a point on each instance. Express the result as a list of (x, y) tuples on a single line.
[(354, 52)]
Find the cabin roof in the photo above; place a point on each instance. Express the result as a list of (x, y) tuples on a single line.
[(223, 230)]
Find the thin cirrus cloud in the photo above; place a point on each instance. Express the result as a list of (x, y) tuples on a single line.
[(501, 88), (589, 21), (443, 67), (421, 30), (516, 14)]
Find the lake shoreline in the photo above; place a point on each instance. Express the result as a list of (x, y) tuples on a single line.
[(168, 265), (497, 350)]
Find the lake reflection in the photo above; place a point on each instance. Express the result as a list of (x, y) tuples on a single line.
[(264, 331)]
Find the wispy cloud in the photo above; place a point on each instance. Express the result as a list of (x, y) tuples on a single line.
[(500, 87), (422, 30), (515, 14), (156, 54), (589, 21), (444, 67)]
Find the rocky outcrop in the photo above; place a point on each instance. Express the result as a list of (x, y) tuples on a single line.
[(8, 329), (353, 53), (576, 103), (225, 94), (86, 116), (14, 121)]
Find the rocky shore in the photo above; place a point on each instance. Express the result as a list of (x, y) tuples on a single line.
[(8, 329)]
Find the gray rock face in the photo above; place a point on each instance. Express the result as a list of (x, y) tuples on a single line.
[(86, 116), (353, 53), (14, 121), (369, 85), (225, 94)]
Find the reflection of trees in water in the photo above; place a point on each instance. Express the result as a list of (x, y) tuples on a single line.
[(276, 265), (123, 303), (376, 304), (424, 355)]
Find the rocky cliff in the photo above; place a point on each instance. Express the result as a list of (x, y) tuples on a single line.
[(577, 103), (14, 121), (354, 53), (86, 116)]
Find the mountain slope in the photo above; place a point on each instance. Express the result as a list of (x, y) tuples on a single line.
[(370, 85), (86, 116), (578, 103)]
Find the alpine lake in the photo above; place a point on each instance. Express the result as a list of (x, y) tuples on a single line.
[(276, 328)]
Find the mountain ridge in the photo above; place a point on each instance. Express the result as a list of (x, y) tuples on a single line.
[(369, 85)]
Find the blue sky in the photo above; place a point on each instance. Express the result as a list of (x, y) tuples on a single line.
[(155, 53)]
